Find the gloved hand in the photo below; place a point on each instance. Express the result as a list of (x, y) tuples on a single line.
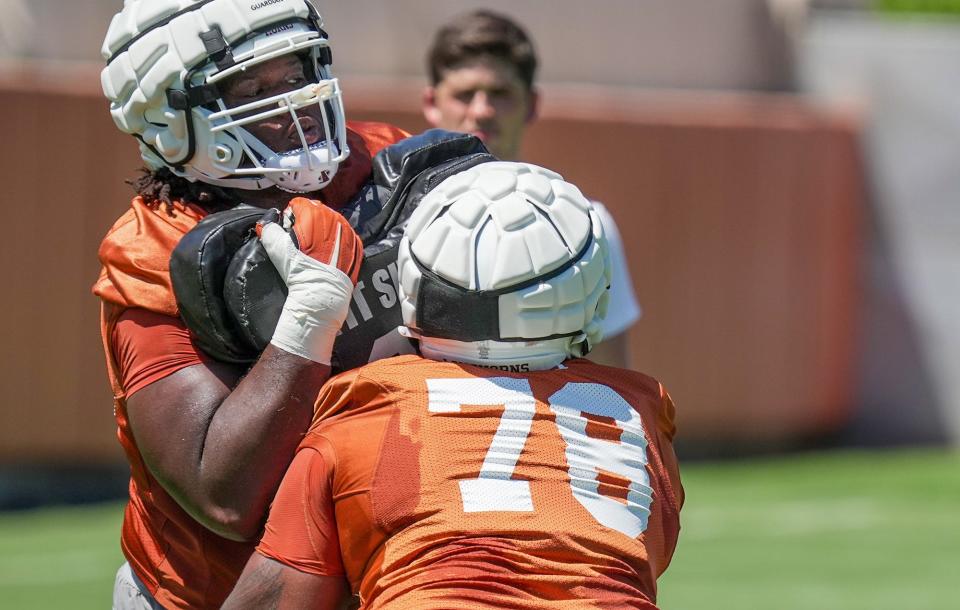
[(318, 256)]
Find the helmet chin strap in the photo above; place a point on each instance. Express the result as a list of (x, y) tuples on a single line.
[(306, 171), (299, 179), (507, 356), (298, 192)]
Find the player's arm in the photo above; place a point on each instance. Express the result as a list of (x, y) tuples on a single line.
[(220, 447), (266, 583), (220, 444), (298, 563)]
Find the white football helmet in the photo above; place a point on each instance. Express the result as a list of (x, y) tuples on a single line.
[(165, 59), (504, 265)]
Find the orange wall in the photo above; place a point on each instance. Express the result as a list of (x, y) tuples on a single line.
[(741, 221), (740, 216), (64, 165), (743, 243)]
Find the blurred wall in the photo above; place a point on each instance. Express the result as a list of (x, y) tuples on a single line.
[(741, 221), (740, 216), (717, 44), (902, 73), (64, 164)]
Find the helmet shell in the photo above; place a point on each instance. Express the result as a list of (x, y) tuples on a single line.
[(163, 55), (517, 255)]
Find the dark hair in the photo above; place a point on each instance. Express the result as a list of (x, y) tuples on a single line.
[(161, 187), (482, 34)]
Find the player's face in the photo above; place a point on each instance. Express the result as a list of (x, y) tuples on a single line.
[(486, 98), (275, 77)]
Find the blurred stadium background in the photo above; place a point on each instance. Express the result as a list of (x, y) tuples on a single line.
[(784, 174)]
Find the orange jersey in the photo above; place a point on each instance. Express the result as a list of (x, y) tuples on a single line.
[(439, 485), (183, 564)]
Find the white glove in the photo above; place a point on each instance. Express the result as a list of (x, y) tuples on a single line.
[(318, 292)]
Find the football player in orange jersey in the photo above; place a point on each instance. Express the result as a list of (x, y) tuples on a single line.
[(232, 101), (498, 469)]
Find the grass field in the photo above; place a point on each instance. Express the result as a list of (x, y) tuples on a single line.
[(825, 531), (835, 531)]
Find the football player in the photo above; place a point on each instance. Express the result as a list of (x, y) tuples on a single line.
[(232, 101), (482, 66), (497, 469)]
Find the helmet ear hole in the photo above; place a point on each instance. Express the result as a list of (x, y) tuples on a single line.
[(222, 153)]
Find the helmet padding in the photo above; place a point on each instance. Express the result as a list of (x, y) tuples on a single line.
[(504, 258)]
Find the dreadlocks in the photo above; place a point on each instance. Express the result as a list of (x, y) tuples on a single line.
[(162, 187)]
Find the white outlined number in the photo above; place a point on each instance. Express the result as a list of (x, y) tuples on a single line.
[(585, 454), (495, 490)]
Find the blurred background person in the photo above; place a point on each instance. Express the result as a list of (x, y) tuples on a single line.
[(482, 68)]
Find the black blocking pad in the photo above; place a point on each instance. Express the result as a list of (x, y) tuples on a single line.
[(230, 295), (254, 294), (198, 269)]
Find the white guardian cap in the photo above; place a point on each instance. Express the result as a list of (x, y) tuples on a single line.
[(504, 265), (165, 62)]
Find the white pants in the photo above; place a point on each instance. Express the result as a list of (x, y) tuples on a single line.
[(129, 593)]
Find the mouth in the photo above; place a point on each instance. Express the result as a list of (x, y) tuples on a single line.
[(311, 132)]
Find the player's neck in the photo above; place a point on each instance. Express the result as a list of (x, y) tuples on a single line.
[(268, 198), (515, 357)]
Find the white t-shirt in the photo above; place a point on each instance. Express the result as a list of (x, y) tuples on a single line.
[(623, 310)]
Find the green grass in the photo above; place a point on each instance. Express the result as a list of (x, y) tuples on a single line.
[(837, 531), (827, 531), (918, 7), (59, 558)]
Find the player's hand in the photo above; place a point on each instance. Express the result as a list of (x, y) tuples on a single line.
[(318, 256)]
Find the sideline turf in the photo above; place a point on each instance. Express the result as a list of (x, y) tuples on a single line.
[(831, 531), (825, 531), (59, 557)]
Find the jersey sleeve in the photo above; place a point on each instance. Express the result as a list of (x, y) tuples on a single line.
[(149, 346), (335, 396), (667, 429), (301, 530), (623, 310)]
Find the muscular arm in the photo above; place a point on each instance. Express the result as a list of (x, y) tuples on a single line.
[(220, 444), (220, 447), (266, 583)]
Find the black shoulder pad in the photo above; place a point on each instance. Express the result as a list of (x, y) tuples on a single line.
[(198, 267), (370, 330), (373, 212), (398, 163)]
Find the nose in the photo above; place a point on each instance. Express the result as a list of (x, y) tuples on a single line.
[(480, 106)]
